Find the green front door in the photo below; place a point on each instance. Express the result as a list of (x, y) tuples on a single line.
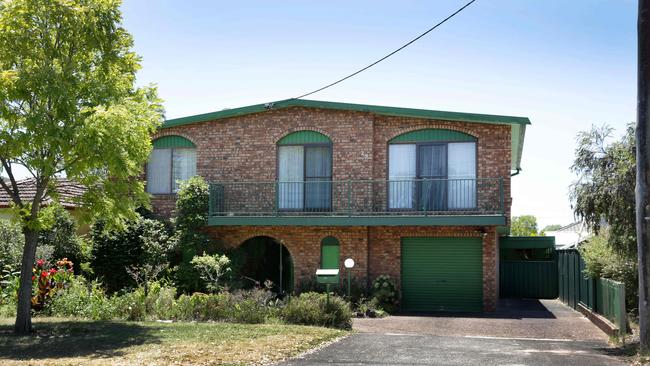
[(442, 274)]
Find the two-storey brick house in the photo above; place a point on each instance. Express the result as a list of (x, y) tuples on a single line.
[(420, 195)]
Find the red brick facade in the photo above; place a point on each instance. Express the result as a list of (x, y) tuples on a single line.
[(244, 148)]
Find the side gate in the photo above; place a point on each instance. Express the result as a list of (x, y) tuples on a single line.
[(528, 267)]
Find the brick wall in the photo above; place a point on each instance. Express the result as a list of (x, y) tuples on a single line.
[(375, 250)]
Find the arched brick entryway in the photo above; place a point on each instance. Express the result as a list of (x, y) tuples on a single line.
[(260, 259)]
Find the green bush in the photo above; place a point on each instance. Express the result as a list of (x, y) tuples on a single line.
[(311, 308), (191, 217), (142, 242), (602, 261), (63, 239), (11, 245), (385, 293), (82, 299), (131, 305)]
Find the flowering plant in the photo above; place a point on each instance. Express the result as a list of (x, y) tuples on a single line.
[(47, 279)]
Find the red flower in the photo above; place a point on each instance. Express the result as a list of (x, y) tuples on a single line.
[(53, 271), (44, 274), (40, 262), (33, 278)]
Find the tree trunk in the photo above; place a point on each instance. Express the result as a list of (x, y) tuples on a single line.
[(24, 309), (643, 171)]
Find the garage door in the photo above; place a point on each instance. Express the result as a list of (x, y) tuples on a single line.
[(442, 274)]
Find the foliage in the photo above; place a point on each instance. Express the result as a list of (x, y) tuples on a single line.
[(142, 246), (11, 244), (603, 261), (69, 106), (9, 277), (82, 299), (604, 189), (525, 225), (552, 227), (211, 268), (311, 308), (191, 217), (62, 237), (369, 308), (385, 292), (48, 280)]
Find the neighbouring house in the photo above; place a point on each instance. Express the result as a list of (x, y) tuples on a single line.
[(571, 236), (420, 195), (68, 195)]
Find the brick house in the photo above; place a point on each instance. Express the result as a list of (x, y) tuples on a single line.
[(420, 195)]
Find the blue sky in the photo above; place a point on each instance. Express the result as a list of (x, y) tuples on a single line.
[(565, 65)]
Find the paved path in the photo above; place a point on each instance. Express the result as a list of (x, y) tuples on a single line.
[(521, 332)]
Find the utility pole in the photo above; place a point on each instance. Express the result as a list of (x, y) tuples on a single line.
[(643, 171)]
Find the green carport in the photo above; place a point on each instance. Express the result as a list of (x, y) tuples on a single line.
[(442, 274)]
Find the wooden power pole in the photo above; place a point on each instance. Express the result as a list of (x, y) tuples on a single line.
[(643, 170)]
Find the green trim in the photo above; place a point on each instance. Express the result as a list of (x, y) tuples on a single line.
[(526, 242), (304, 137), (518, 124), (437, 220), (173, 141), (432, 134)]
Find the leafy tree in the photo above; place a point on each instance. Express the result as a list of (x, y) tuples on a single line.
[(525, 225), (552, 227), (68, 105), (604, 189)]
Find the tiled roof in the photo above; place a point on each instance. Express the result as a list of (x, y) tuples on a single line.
[(68, 192)]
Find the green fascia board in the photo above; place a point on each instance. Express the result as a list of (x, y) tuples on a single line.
[(526, 242), (438, 220), (304, 137), (167, 142), (518, 124), (432, 134)]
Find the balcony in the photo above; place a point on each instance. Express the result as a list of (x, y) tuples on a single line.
[(358, 202)]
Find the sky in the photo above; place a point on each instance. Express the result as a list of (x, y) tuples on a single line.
[(565, 65)]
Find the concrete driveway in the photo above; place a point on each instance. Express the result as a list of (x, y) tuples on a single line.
[(524, 332)]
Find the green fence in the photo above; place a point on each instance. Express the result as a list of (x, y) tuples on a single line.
[(528, 267), (603, 296)]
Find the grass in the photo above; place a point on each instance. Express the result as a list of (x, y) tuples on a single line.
[(68, 341)]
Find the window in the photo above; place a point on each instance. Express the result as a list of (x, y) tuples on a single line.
[(172, 160), (305, 172), (432, 170), (329, 253)]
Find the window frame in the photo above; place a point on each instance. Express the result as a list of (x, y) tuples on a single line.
[(417, 203), (304, 174), (171, 170)]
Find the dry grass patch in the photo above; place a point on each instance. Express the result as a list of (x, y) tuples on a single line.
[(73, 342)]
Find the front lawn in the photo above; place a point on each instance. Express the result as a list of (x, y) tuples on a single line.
[(67, 341)]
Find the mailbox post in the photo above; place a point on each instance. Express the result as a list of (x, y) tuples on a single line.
[(327, 277)]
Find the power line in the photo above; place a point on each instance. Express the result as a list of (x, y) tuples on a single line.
[(390, 54)]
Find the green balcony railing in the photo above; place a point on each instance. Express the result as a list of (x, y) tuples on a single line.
[(482, 196)]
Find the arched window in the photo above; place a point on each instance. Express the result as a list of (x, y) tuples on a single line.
[(305, 172), (172, 160), (432, 170), (329, 253)]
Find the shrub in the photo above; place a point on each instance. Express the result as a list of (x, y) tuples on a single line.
[(211, 268), (142, 246), (84, 300), (601, 260), (369, 308), (63, 239), (191, 217), (385, 293), (11, 245), (311, 308), (48, 279), (130, 305)]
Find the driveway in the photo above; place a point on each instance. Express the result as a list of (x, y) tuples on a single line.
[(524, 332)]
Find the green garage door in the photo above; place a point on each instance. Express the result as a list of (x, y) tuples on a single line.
[(442, 274)]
